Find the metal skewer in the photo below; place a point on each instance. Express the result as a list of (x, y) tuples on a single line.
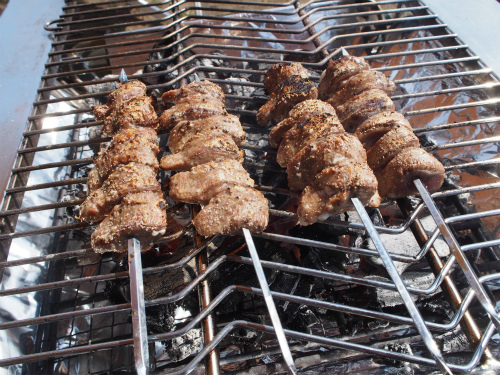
[(400, 286), (271, 307), (139, 329)]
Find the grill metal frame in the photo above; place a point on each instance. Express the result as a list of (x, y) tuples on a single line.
[(86, 26)]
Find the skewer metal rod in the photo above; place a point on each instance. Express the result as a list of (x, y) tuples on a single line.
[(139, 329), (271, 307), (401, 287)]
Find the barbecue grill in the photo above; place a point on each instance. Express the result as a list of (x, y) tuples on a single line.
[(409, 288)]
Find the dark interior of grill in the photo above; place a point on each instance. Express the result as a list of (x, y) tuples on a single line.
[(67, 310)]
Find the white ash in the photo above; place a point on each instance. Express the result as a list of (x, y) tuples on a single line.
[(455, 341), (185, 345)]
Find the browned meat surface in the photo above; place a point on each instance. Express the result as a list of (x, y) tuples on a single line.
[(138, 111), (228, 125), (370, 130), (337, 71), (300, 112), (389, 146), (291, 91), (141, 216), (361, 107), (124, 93), (324, 153), (306, 132), (280, 72), (125, 179), (203, 148), (204, 89), (135, 150), (331, 192), (205, 181), (396, 179), (125, 135), (355, 85), (191, 109), (232, 210)]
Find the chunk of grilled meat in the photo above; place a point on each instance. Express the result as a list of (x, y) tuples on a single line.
[(332, 189), (203, 148), (321, 154), (125, 179), (189, 109), (372, 129), (140, 215), (232, 210), (280, 72), (300, 112), (203, 88), (136, 150), (136, 112), (305, 132), (356, 84), (337, 71), (389, 146), (291, 91), (361, 107), (205, 181), (396, 179), (124, 93), (214, 125), (126, 135)]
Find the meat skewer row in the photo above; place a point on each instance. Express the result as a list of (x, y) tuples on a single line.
[(323, 162), (365, 109), (204, 142), (124, 195)]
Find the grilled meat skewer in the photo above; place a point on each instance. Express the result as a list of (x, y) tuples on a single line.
[(373, 128), (293, 90), (214, 125), (198, 89), (203, 148), (188, 109), (303, 111), (280, 72)]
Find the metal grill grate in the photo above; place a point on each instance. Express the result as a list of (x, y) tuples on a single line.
[(66, 309)]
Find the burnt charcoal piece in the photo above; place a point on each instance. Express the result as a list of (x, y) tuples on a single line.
[(183, 346), (160, 318)]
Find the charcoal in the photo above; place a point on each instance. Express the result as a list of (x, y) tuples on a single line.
[(160, 318), (183, 346)]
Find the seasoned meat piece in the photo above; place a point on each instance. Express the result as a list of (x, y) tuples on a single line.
[(337, 71), (370, 130), (204, 89), (232, 210), (331, 192), (191, 109), (280, 72), (396, 179), (135, 150), (215, 125), (141, 216), (300, 112), (125, 135), (203, 148), (306, 132), (361, 107), (291, 91), (125, 179), (356, 84), (322, 154), (389, 146), (124, 93), (136, 112), (205, 181)]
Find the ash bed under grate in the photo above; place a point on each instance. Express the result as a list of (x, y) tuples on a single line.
[(66, 310)]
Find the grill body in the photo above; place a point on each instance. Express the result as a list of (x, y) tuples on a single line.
[(67, 310)]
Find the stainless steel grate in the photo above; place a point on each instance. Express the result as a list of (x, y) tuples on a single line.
[(65, 309)]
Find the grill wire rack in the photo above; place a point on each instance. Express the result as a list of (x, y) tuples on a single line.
[(431, 307)]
